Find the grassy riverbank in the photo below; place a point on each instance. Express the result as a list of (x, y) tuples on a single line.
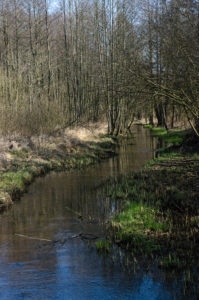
[(161, 210), (174, 136), (20, 166)]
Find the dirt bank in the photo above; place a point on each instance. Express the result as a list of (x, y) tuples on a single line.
[(24, 158)]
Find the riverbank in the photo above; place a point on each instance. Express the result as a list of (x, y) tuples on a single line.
[(160, 219), (24, 158)]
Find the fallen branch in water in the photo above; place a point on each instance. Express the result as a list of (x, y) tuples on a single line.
[(74, 236), (88, 236), (73, 211), (32, 238)]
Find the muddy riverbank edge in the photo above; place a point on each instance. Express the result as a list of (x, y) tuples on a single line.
[(22, 159), (160, 219)]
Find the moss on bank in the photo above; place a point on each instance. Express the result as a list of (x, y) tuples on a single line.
[(26, 165)]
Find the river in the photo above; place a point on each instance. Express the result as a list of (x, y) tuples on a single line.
[(58, 207)]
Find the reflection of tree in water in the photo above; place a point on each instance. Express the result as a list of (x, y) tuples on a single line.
[(177, 283), (52, 210)]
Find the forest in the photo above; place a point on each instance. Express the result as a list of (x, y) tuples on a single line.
[(102, 97), (83, 61)]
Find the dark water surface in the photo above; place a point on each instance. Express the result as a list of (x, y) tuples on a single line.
[(69, 267)]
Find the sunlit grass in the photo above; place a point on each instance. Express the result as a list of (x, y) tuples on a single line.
[(174, 136), (133, 225), (158, 131), (148, 126), (22, 153), (139, 217), (23, 170), (15, 182)]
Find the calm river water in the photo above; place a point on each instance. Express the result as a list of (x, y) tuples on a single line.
[(70, 267)]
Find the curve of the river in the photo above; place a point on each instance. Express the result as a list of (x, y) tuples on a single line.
[(31, 267)]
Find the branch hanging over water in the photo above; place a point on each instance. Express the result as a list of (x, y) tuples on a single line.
[(32, 238)]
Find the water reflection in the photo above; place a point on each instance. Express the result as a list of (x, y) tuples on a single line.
[(60, 206)]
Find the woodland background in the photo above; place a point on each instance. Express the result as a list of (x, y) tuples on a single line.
[(93, 60)]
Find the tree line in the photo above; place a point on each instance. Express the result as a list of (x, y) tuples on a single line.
[(91, 60)]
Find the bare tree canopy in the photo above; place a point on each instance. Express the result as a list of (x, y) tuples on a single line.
[(91, 60)]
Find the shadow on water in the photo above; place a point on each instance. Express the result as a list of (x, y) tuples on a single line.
[(66, 207)]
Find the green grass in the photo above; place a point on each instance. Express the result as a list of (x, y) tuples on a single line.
[(155, 198), (160, 219), (148, 126), (138, 217), (15, 182), (132, 188), (174, 136), (23, 171), (158, 131), (133, 225), (19, 153)]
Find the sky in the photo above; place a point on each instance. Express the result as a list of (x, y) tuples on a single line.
[(53, 4)]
